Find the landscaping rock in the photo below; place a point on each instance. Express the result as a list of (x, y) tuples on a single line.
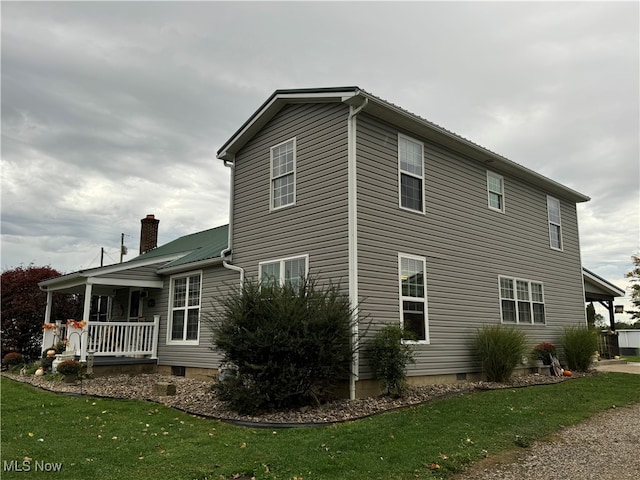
[(163, 389)]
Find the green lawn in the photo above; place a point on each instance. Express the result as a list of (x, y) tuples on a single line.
[(120, 439)]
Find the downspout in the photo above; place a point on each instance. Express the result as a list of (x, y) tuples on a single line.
[(227, 252), (353, 240)]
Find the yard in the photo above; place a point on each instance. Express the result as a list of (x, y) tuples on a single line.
[(47, 435)]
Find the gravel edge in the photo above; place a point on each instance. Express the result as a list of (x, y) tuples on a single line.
[(196, 397)]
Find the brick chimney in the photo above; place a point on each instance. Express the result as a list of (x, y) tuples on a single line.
[(148, 233)]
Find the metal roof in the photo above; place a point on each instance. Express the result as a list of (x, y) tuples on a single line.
[(395, 115)]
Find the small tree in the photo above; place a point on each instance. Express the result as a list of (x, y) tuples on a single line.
[(634, 275), (389, 358), (23, 306), (288, 345)]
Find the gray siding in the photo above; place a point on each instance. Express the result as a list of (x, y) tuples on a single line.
[(216, 282), (466, 245), (317, 224)]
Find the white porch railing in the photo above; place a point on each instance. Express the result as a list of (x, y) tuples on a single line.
[(108, 338)]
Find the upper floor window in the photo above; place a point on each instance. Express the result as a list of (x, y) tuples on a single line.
[(411, 174), (555, 223), (184, 308), (413, 295), (287, 271), (283, 174), (495, 191), (521, 301)]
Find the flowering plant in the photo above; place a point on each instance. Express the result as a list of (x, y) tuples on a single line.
[(49, 326), (79, 324), (544, 351)]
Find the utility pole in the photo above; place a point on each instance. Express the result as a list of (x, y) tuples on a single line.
[(123, 249), (101, 256)]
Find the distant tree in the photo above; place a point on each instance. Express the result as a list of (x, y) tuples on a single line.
[(23, 306), (591, 315), (634, 275)]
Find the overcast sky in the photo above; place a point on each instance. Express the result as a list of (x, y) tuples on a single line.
[(114, 110)]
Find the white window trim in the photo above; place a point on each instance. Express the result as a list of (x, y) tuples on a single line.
[(559, 224), (282, 261), (294, 172), (400, 172), (515, 299), (170, 312), (402, 298), (501, 193)]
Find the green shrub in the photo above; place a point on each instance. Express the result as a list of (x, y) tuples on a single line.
[(389, 358), (13, 358), (288, 346), (500, 350), (579, 344)]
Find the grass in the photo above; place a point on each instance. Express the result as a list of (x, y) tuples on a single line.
[(632, 358), (102, 438)]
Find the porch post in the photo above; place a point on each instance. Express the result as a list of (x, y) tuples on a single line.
[(156, 332), (86, 313), (47, 317)]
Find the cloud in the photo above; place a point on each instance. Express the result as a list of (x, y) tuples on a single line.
[(112, 110)]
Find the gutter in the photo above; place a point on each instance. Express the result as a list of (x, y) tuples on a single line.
[(353, 239), (227, 252)]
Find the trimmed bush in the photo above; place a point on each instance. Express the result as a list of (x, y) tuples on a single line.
[(500, 350), (389, 358), (69, 367), (13, 358), (288, 346), (579, 344)]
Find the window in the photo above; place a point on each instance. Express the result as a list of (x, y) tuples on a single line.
[(100, 308), (411, 176), (495, 191), (521, 301), (283, 174), (184, 309), (555, 223), (413, 294), (135, 305), (290, 271)]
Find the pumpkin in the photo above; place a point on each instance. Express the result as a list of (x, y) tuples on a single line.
[(567, 373)]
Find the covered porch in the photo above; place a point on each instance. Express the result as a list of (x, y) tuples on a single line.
[(114, 326), (597, 289)]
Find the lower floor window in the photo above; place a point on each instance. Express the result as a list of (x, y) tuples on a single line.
[(287, 271), (184, 318), (413, 297), (521, 301)]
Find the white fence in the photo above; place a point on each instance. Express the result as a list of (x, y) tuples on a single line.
[(108, 338), (629, 338)]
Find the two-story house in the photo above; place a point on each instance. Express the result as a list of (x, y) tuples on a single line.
[(421, 227)]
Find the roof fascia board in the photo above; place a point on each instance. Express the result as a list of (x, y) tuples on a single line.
[(62, 283), (189, 266), (121, 282), (273, 105), (603, 284)]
